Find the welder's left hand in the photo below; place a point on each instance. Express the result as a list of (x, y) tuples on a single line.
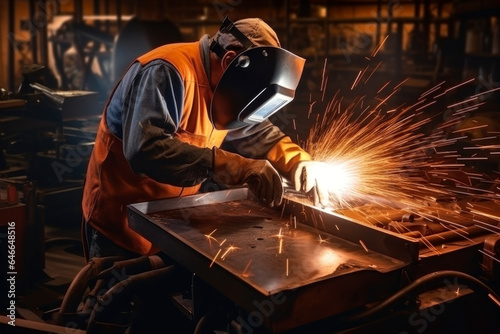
[(309, 177), (260, 176)]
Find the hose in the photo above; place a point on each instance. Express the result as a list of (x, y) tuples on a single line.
[(422, 281), (117, 296), (79, 285)]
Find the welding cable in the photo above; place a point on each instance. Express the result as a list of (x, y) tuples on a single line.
[(419, 283), (110, 303), (210, 321), (79, 285)]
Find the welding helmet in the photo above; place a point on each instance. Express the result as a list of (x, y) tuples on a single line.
[(258, 82)]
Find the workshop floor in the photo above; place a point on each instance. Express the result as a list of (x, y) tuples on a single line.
[(40, 301), (63, 260)]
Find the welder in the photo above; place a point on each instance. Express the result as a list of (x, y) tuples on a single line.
[(165, 121)]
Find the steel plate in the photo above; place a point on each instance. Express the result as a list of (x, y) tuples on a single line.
[(256, 255)]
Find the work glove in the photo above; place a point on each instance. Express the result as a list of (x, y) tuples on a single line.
[(310, 177), (260, 176)]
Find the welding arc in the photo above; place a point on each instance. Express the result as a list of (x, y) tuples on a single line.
[(415, 287)]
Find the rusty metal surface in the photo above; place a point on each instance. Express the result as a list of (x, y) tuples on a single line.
[(255, 244), (252, 253)]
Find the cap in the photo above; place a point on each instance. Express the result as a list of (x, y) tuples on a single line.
[(258, 32), (250, 32)]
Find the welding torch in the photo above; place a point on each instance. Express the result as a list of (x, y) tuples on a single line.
[(290, 191), (309, 180)]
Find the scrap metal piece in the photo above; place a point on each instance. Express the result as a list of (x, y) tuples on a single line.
[(491, 257)]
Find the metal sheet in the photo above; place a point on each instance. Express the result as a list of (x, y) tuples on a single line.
[(254, 255), (371, 237)]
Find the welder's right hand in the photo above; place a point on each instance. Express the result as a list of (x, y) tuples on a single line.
[(260, 176), (310, 177)]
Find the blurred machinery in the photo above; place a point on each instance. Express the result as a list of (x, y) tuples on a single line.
[(46, 137), (47, 130), (94, 53)]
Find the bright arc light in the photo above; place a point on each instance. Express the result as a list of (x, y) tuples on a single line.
[(341, 178)]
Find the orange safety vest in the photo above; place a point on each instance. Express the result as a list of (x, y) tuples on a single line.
[(111, 184)]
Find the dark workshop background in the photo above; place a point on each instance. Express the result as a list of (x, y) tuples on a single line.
[(61, 58)]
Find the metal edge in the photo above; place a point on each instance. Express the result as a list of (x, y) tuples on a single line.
[(196, 262), (382, 241), (190, 201)]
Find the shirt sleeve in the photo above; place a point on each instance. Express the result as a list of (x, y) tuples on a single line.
[(152, 104), (266, 141), (253, 141)]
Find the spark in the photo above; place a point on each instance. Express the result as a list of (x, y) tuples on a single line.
[(280, 237), (435, 88), (286, 267), (488, 215), (375, 69), (472, 158), (379, 47), (324, 90), (490, 228), (201, 197), (283, 208), (472, 99), (363, 244), (486, 92), (400, 84), (391, 154), (489, 255), (460, 233), (454, 87), (323, 75), (228, 251), (427, 243), (467, 109), (368, 152), (447, 165), (314, 221), (356, 81), (245, 271), (210, 237), (426, 105), (322, 221), (215, 257), (310, 109), (471, 128), (382, 88)]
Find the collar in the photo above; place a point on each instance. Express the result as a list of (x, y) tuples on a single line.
[(205, 54)]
